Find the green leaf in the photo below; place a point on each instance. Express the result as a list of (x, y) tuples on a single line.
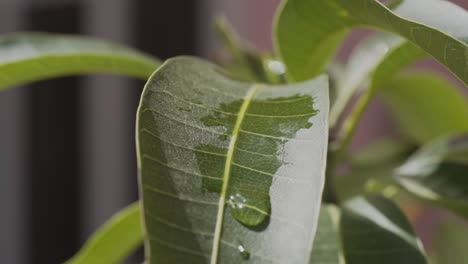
[(372, 63), (450, 243), (247, 64), (327, 244), (115, 240), (437, 173), (226, 166), (375, 161), (368, 229), (308, 32), (27, 57), (426, 106)]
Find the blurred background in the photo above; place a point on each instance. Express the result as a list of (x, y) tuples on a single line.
[(67, 155)]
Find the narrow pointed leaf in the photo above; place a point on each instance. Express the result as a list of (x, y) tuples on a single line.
[(226, 167), (370, 230), (115, 240), (426, 106), (435, 26), (27, 57), (437, 173)]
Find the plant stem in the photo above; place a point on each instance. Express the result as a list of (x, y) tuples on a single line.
[(349, 127)]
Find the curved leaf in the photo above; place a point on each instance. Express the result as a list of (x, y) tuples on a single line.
[(308, 32), (115, 240), (369, 230), (226, 167), (27, 57), (426, 106), (372, 63), (437, 173)]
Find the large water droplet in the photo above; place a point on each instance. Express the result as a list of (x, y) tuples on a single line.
[(245, 254), (250, 212)]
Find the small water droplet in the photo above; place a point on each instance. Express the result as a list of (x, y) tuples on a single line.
[(277, 67), (237, 201), (184, 109), (245, 254)]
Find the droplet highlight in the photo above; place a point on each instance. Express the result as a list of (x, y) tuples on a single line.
[(245, 254)]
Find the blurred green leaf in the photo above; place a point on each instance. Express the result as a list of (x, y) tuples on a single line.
[(437, 173), (27, 57), (375, 161), (450, 243), (115, 240), (307, 33), (247, 64), (371, 64), (426, 106), (369, 229), (327, 243), (226, 168)]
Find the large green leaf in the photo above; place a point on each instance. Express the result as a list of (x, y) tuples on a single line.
[(437, 173), (227, 167), (309, 31), (115, 240), (26, 57), (366, 230), (426, 106)]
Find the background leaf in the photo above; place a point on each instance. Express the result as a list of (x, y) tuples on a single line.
[(450, 243), (426, 106), (372, 63), (319, 26), (437, 173), (369, 229), (246, 63), (227, 167), (27, 57), (115, 240), (376, 161)]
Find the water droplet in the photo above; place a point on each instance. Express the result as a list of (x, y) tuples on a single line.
[(246, 210), (237, 201), (245, 254), (277, 67)]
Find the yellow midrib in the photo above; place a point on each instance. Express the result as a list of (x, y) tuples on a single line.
[(227, 171)]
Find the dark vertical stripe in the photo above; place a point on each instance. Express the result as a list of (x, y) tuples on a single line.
[(53, 152), (164, 29)]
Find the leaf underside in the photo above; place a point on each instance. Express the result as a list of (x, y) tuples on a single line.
[(227, 167)]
